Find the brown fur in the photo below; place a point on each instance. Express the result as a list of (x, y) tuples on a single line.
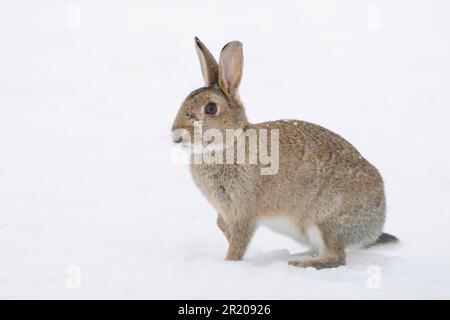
[(322, 180)]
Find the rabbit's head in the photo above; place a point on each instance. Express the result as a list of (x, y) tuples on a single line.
[(216, 105)]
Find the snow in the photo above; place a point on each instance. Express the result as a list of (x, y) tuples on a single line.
[(91, 203)]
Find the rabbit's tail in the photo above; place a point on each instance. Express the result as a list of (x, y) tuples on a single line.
[(384, 238)]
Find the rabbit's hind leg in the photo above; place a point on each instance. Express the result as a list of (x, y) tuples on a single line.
[(330, 259), (302, 255), (330, 256)]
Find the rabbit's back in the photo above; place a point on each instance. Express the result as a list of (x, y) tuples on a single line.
[(323, 179)]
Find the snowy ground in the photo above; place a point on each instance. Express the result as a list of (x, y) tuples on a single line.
[(87, 185)]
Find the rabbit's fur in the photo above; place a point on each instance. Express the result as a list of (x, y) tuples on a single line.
[(324, 194)]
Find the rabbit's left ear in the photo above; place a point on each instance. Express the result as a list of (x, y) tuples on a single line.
[(208, 64), (230, 67)]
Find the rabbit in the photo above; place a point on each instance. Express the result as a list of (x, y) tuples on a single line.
[(324, 195)]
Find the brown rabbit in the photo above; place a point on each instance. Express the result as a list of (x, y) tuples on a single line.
[(324, 194)]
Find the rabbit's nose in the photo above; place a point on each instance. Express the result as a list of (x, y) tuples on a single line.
[(177, 139), (177, 136)]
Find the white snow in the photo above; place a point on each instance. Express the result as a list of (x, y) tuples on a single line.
[(87, 184)]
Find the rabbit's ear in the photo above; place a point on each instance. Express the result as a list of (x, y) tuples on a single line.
[(230, 67), (209, 66)]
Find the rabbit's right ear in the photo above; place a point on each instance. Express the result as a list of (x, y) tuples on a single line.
[(210, 69), (230, 67)]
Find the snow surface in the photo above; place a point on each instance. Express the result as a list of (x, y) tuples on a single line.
[(86, 177)]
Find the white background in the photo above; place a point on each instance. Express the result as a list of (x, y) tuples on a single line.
[(86, 176)]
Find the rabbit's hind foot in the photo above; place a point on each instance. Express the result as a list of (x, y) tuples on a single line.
[(328, 260)]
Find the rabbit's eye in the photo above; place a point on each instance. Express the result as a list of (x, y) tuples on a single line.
[(211, 108)]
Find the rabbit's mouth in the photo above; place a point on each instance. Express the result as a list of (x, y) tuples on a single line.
[(202, 141), (202, 148)]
